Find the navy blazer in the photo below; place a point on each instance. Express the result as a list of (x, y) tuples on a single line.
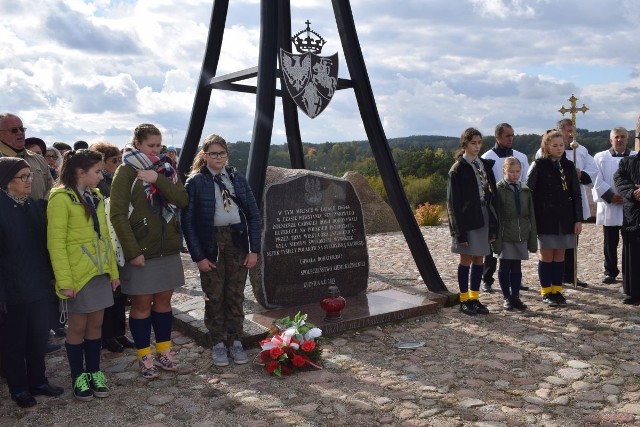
[(197, 217)]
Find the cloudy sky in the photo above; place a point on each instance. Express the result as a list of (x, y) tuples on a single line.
[(93, 70)]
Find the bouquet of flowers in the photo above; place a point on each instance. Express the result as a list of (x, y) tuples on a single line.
[(290, 346)]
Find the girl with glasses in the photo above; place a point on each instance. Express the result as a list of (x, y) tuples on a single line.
[(222, 229)]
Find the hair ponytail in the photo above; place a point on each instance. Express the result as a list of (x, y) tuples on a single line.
[(75, 160)]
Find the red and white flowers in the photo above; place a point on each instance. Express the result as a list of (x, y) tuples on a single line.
[(290, 346)]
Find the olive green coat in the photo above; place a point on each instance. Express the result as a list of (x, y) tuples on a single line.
[(145, 232), (514, 227)]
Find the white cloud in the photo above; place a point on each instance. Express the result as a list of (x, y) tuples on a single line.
[(504, 9), (94, 70)]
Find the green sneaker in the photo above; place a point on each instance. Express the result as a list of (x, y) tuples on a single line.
[(81, 387), (98, 384)]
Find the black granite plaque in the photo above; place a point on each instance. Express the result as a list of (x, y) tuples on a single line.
[(313, 237)]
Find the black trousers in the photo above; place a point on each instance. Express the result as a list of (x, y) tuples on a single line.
[(488, 269), (115, 319), (610, 243), (569, 263), (630, 266), (24, 334)]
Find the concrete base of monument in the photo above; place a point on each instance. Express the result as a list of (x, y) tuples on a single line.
[(360, 311)]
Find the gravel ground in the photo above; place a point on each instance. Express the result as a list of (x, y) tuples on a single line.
[(571, 366)]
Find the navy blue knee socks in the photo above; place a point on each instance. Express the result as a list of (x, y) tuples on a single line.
[(162, 325), (92, 354), (476, 277), (75, 356), (141, 331), (463, 278)]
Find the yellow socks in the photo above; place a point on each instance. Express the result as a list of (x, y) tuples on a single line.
[(163, 346)]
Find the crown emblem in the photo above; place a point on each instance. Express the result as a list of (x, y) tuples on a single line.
[(308, 44)]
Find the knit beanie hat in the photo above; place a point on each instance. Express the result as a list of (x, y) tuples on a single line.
[(9, 167)]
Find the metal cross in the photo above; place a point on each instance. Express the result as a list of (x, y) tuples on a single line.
[(573, 110)]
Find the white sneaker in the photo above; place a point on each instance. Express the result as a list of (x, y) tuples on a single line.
[(237, 353), (219, 354)]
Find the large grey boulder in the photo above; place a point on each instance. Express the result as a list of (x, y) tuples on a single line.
[(378, 215)]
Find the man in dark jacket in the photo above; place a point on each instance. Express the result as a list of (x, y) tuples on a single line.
[(627, 181)]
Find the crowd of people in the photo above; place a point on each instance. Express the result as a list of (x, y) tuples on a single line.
[(59, 244), (58, 265), (500, 204)]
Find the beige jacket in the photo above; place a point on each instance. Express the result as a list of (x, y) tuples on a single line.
[(42, 181)]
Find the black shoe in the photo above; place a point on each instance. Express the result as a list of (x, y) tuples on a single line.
[(112, 345), (480, 308), (631, 300), (82, 387), (52, 348), (506, 304), (579, 283), (608, 279), (560, 299), (486, 287), (24, 399), (517, 303), (126, 342), (98, 384), (468, 308), (46, 389), (524, 288), (550, 299)]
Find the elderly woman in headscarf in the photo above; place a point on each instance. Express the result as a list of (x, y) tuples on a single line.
[(54, 160), (25, 285)]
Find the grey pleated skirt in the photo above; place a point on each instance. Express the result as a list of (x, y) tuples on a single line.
[(514, 250), (95, 295), (556, 241), (158, 275), (478, 240)]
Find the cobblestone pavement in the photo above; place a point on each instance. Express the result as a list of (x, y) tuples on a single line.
[(572, 366)]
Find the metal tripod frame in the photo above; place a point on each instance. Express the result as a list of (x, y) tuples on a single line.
[(275, 33)]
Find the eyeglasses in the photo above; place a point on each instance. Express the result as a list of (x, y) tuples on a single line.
[(51, 157), (217, 154), (115, 160), (15, 129), (26, 177)]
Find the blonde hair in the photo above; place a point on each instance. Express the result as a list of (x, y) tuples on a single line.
[(510, 161), (546, 141), (200, 161)]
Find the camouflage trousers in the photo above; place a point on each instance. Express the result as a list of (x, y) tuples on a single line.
[(223, 289)]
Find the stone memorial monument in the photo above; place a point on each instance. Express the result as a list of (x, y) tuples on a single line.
[(313, 237), (316, 78)]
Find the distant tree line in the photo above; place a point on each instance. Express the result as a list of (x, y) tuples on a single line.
[(423, 161)]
